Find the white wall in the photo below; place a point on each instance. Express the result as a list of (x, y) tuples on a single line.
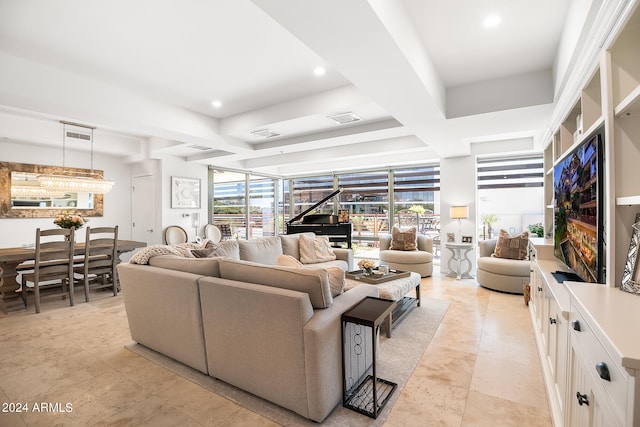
[(117, 203), (457, 187), (173, 166)]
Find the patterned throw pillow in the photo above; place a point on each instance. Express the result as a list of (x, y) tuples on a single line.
[(512, 247), (404, 240), (211, 251)]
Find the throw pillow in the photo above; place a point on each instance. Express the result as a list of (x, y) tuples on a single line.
[(315, 249), (211, 251), (288, 261), (336, 274), (404, 240), (336, 280), (512, 247)]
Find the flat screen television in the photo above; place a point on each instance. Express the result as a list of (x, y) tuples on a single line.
[(578, 234)]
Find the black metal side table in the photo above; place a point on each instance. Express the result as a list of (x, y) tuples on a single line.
[(363, 391)]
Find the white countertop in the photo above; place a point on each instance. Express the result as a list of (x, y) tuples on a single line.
[(613, 314)]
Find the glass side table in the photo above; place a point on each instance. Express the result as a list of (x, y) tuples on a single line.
[(363, 391)]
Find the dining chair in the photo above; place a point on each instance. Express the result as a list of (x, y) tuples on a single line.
[(99, 261), (175, 234), (225, 230), (212, 233), (53, 261)]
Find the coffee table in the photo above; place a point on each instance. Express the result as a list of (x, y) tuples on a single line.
[(395, 289)]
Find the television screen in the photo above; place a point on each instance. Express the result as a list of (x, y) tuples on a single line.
[(578, 210)]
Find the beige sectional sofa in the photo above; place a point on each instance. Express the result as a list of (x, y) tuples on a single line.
[(272, 331)]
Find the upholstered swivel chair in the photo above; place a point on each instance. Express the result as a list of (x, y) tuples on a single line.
[(419, 261)]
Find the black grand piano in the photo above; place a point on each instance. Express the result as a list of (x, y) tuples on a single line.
[(321, 224)]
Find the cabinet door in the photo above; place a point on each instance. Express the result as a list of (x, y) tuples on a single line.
[(580, 403), (557, 350)]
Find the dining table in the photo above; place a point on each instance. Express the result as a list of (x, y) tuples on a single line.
[(11, 258)]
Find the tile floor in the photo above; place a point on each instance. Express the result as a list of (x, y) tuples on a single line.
[(480, 369)]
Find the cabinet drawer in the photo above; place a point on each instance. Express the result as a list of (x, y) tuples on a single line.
[(595, 354)]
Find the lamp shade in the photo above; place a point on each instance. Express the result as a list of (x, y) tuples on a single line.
[(459, 212)]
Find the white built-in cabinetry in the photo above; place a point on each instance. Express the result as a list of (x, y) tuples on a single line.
[(586, 334), (588, 346)]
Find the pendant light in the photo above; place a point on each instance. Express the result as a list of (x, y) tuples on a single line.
[(71, 182)]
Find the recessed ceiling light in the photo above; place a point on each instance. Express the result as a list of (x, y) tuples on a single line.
[(319, 71), (264, 133), (216, 104), (343, 118), (491, 21)]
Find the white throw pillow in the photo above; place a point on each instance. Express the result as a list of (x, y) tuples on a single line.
[(315, 249)]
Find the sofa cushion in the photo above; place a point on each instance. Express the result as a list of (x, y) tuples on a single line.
[(202, 266), (231, 248), (512, 247), (315, 249), (505, 266), (313, 281), (404, 240), (290, 243), (264, 250)]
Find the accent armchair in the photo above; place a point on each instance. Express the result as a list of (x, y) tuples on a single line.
[(419, 261)]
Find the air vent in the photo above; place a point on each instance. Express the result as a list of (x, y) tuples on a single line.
[(343, 118), (199, 147), (77, 135), (265, 133)]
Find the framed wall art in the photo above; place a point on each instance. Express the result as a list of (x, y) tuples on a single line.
[(185, 193)]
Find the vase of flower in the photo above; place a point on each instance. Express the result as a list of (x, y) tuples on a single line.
[(67, 220), (367, 266)]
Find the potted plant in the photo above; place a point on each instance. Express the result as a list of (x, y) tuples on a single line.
[(537, 229), (489, 220)]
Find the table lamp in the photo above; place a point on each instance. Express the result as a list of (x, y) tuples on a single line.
[(459, 213)]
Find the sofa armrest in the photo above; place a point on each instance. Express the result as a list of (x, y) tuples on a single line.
[(345, 254), (323, 351), (163, 310), (254, 338)]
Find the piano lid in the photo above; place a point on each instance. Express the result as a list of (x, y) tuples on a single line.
[(297, 218)]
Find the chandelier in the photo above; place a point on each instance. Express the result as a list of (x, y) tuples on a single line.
[(70, 183), (35, 192)]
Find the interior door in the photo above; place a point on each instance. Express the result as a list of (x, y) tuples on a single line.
[(143, 209)]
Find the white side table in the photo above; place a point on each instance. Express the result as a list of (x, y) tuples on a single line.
[(457, 258)]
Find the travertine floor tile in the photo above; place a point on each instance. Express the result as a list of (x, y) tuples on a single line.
[(482, 360), (489, 411)]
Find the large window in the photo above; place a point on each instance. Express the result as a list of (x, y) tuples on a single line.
[(416, 198), (510, 194), (366, 196), (253, 207), (246, 203)]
